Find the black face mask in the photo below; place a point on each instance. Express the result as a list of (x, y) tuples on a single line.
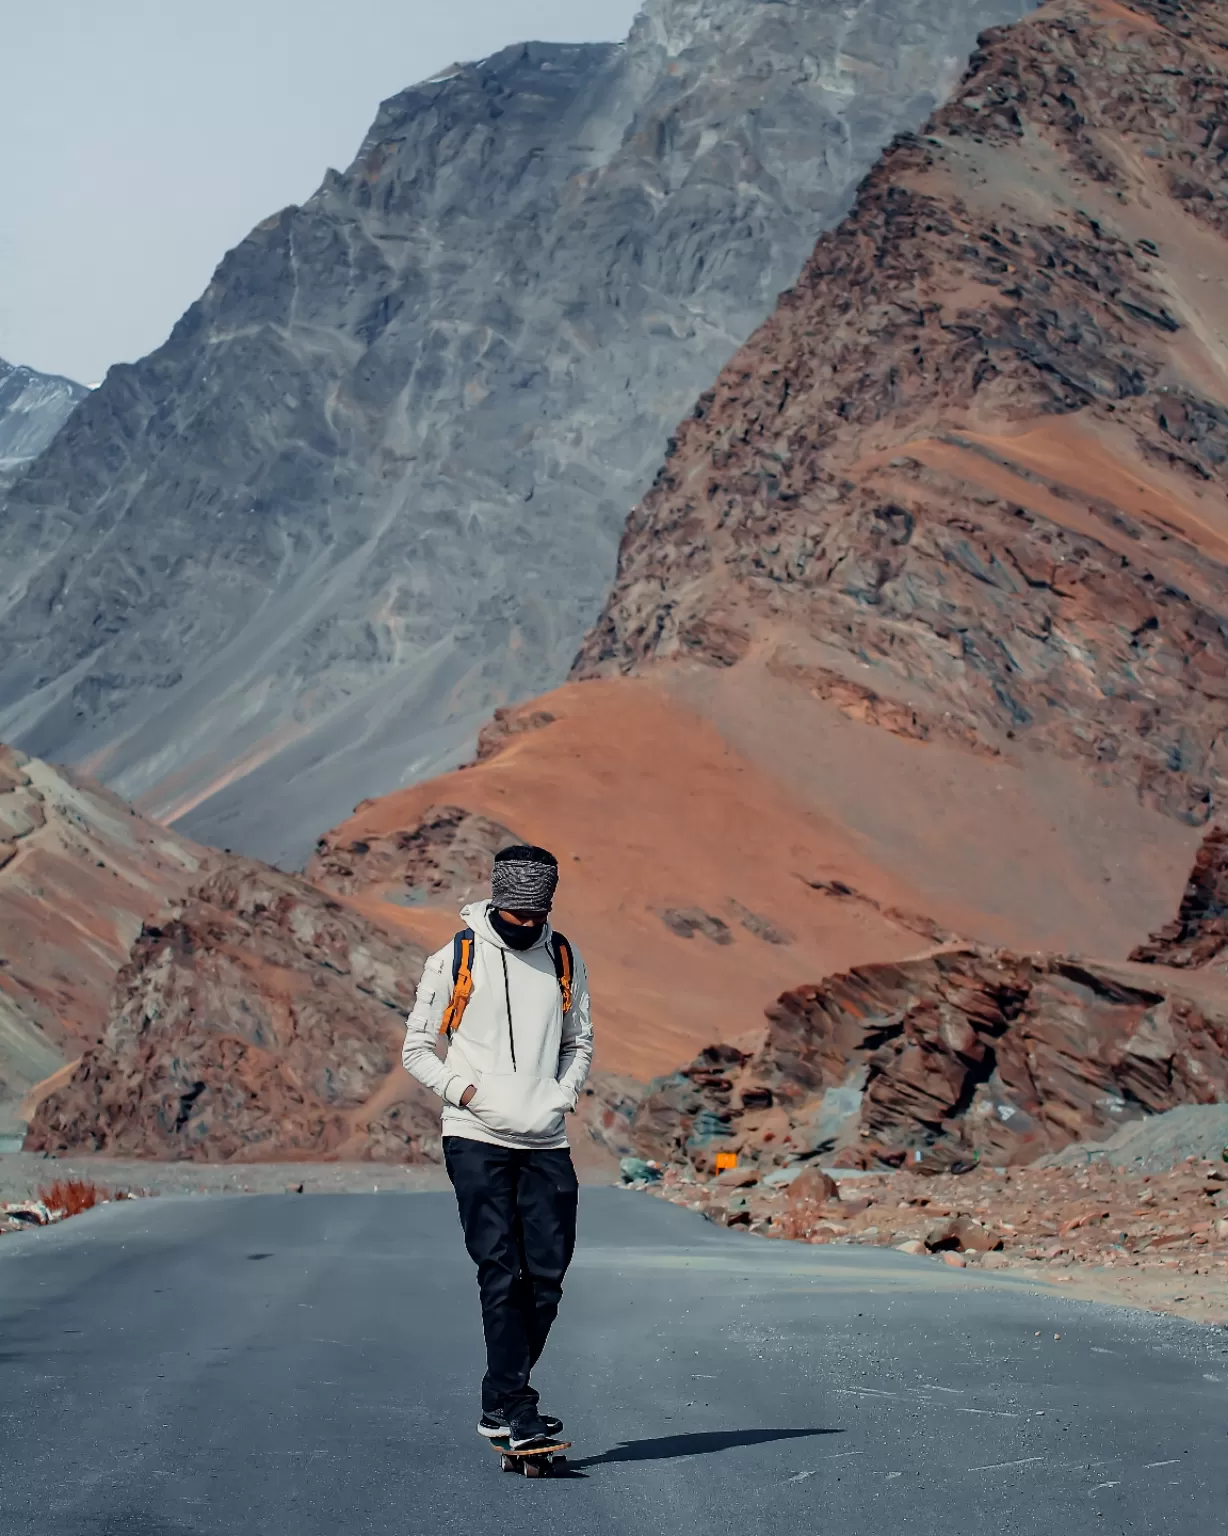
[(512, 934)]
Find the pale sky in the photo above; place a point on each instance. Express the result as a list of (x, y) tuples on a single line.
[(140, 139)]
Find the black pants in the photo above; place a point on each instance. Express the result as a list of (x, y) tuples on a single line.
[(518, 1211)]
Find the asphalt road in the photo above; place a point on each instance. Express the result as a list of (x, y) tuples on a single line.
[(287, 1366)]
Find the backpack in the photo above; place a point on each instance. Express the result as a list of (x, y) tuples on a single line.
[(462, 976)]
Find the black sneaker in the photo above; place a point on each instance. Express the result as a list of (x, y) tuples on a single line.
[(530, 1430), (495, 1426)]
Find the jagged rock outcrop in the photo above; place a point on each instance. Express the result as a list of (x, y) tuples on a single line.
[(939, 1062), (33, 408), (445, 859), (263, 1019), (505, 725), (969, 484), (1198, 935), (80, 872), (373, 483)]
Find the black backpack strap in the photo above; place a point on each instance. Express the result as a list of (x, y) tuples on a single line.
[(458, 950), (564, 966), (462, 982)]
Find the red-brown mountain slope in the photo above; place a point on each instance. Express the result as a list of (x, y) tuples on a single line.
[(700, 884), (969, 482), (692, 884)]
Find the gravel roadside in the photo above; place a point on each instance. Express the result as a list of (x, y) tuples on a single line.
[(22, 1174)]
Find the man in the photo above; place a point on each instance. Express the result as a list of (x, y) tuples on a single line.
[(512, 997)]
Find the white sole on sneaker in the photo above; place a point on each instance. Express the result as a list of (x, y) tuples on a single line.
[(501, 1432)]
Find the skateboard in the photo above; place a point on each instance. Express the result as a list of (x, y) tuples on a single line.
[(537, 1461)]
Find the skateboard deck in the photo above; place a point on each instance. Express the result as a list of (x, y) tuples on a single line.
[(534, 1461)]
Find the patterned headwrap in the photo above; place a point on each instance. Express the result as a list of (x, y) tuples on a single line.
[(524, 879)]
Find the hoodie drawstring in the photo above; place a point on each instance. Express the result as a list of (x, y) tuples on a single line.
[(507, 993)]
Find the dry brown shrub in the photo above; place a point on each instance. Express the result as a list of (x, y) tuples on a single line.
[(72, 1196)]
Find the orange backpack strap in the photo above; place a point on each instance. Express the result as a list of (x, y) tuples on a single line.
[(462, 982), (564, 968)]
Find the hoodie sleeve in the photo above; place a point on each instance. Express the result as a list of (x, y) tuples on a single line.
[(422, 1030), (576, 1051)]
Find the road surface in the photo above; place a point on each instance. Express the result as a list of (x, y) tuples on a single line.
[(294, 1366)]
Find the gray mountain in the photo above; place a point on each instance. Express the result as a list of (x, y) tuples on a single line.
[(33, 408), (374, 482)]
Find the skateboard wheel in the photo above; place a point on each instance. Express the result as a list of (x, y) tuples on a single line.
[(533, 1468), (508, 1464), (559, 1465)]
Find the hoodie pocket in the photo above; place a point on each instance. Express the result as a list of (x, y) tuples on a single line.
[(516, 1104)]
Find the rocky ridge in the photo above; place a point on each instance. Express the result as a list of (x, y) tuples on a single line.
[(33, 408), (373, 483), (167, 1001), (444, 859), (968, 484), (80, 873), (261, 1019)]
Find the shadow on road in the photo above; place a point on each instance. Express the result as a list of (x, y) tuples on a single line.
[(701, 1443)]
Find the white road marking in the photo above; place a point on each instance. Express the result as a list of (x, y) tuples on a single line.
[(993, 1413), (998, 1466), (814, 1471)]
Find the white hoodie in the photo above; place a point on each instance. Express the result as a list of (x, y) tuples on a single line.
[(526, 1058)]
